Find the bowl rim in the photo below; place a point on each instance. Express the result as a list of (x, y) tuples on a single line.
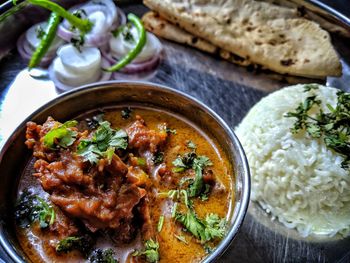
[(243, 167)]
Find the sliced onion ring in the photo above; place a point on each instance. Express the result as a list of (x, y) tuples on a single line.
[(139, 67), (63, 87), (93, 39), (26, 52)]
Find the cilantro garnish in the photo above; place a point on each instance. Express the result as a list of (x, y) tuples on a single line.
[(44, 212), (150, 251), (191, 145), (61, 136), (333, 126), (31, 208), (83, 243), (210, 228), (170, 131), (103, 143), (160, 223), (158, 158), (40, 32), (197, 163), (126, 112)]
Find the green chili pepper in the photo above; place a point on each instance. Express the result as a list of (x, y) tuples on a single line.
[(16, 8), (137, 49), (46, 40), (84, 25)]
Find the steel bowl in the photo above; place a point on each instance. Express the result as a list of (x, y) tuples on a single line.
[(14, 155)]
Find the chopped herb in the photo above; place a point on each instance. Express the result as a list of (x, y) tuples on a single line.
[(103, 256), (333, 126), (205, 230), (44, 212), (126, 32), (150, 252), (40, 32), (160, 223), (79, 13), (61, 136), (31, 208), (24, 208), (208, 249), (126, 113), (204, 195), (83, 244), (158, 158), (197, 163), (185, 162), (173, 210), (191, 145), (309, 87), (102, 142), (170, 131), (79, 42), (94, 122), (141, 161), (181, 238), (197, 187)]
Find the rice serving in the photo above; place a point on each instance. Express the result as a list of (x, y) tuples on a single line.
[(295, 177)]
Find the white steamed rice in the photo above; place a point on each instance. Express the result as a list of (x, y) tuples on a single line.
[(294, 177)]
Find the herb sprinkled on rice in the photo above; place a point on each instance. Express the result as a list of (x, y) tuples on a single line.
[(296, 175)]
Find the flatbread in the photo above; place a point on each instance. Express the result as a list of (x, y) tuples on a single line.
[(164, 29), (263, 33)]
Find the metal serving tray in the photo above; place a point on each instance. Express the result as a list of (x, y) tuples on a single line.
[(229, 90)]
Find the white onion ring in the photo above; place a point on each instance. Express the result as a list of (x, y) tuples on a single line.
[(113, 20), (63, 87), (139, 67), (26, 52)]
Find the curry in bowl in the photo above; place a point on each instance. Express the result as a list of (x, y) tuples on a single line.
[(133, 184)]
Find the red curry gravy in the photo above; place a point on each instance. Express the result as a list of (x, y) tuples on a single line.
[(148, 184)]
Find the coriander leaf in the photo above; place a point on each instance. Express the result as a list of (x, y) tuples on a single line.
[(160, 223), (150, 252), (61, 136), (103, 256), (191, 145), (333, 126), (24, 208), (192, 224), (103, 143), (44, 213), (94, 122), (90, 153), (172, 131), (196, 188), (314, 130), (141, 161), (126, 112), (310, 87), (215, 227), (181, 238), (185, 161), (158, 158), (118, 140), (40, 32), (78, 42), (82, 243)]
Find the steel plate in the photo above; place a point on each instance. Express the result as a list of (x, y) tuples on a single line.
[(229, 90)]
